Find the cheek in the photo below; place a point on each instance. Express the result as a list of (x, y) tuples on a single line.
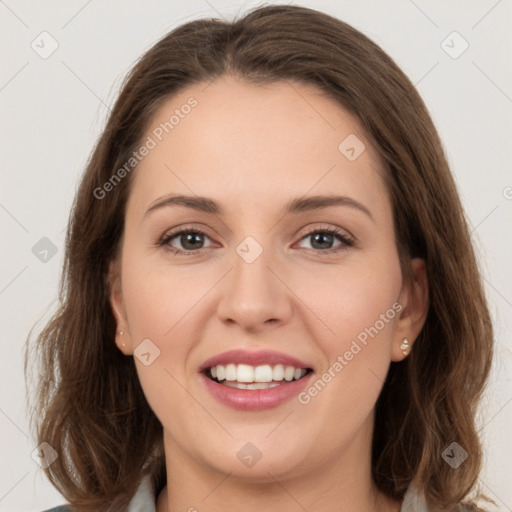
[(358, 309), (159, 305), (351, 302), (359, 305), (159, 297)]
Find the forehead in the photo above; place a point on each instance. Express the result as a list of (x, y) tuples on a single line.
[(243, 142)]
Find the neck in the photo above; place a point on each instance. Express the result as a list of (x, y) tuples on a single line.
[(340, 484), (280, 498)]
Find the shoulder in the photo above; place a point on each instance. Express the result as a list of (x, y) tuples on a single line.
[(142, 501), (468, 507), (414, 501), (60, 508)]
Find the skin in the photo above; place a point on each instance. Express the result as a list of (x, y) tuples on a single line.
[(253, 148)]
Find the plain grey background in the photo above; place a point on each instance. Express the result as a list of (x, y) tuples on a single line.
[(54, 107)]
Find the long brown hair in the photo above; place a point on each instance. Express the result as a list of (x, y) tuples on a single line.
[(90, 406)]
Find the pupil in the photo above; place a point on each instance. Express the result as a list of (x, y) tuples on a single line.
[(190, 238), (322, 237)]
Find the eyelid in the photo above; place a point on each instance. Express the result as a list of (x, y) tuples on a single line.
[(313, 228), (174, 232)]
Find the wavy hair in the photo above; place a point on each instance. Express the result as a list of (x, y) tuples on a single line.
[(89, 405)]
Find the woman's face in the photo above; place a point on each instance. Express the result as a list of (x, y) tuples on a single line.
[(273, 271)]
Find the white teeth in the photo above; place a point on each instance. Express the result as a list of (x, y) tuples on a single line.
[(288, 373), (278, 372), (233, 374), (245, 373), (230, 372), (263, 373), (254, 385)]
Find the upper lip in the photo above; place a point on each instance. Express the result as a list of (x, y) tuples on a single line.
[(253, 358)]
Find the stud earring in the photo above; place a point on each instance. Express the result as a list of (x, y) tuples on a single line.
[(120, 334), (405, 347)]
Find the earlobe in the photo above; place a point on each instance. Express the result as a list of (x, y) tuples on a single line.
[(405, 347), (415, 301), (122, 339)]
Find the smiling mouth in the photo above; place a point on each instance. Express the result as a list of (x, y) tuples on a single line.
[(243, 376)]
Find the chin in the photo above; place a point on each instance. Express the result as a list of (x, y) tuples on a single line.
[(258, 461)]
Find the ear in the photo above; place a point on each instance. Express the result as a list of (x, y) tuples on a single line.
[(414, 300), (123, 341)]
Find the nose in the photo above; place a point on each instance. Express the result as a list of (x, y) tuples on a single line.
[(255, 296)]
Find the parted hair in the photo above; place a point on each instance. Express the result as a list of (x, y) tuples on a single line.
[(88, 403)]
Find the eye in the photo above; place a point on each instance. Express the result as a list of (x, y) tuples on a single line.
[(322, 239), (190, 240)]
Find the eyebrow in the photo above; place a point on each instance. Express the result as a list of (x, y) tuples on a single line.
[(298, 205)]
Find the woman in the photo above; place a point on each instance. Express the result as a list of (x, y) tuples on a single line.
[(270, 300)]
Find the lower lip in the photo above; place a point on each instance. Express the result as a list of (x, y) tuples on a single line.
[(255, 399)]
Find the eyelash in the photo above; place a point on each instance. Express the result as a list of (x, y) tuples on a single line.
[(343, 237)]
